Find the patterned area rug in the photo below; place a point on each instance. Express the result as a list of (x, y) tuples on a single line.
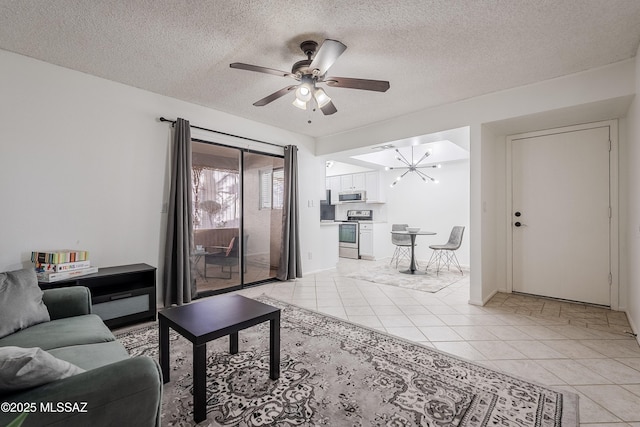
[(335, 373), (389, 275)]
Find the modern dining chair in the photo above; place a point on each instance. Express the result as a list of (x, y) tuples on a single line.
[(226, 257), (402, 242), (445, 255)]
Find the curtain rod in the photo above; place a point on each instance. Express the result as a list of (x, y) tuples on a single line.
[(173, 122)]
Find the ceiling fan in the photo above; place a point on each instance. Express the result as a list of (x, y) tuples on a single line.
[(311, 72)]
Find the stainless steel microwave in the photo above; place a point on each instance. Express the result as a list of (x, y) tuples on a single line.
[(352, 196)]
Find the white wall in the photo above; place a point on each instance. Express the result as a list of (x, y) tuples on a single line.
[(84, 164), (311, 191), (630, 204), (491, 243), (432, 207)]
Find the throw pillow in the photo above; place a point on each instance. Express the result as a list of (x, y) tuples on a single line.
[(22, 368), (21, 303)]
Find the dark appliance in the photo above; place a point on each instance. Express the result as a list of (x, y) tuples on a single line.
[(327, 210)]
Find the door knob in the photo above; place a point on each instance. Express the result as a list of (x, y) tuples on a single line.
[(517, 214), (517, 224)]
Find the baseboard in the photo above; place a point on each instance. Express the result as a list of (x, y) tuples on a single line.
[(481, 303), (633, 327), (317, 271)]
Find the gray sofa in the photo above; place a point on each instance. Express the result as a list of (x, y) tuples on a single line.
[(118, 390)]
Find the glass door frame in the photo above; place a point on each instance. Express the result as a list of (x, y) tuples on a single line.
[(241, 224)]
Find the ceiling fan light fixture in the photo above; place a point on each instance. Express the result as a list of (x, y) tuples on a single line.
[(300, 104), (308, 72), (303, 93), (321, 97)]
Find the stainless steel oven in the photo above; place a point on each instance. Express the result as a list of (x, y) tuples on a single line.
[(348, 233)]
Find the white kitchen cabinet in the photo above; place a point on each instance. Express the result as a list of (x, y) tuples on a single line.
[(375, 240), (375, 193), (346, 182), (366, 241), (352, 181), (368, 181), (358, 181)]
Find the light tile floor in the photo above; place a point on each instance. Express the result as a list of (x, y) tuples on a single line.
[(576, 347)]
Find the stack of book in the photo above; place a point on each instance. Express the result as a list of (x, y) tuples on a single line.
[(52, 266)]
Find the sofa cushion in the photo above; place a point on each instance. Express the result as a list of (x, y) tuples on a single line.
[(22, 368), (124, 393), (91, 356), (21, 303), (87, 329)]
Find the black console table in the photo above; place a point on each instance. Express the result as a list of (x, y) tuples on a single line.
[(119, 295)]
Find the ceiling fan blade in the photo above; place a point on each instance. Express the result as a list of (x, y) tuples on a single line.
[(275, 95), (364, 84), (259, 69), (329, 109), (327, 54)]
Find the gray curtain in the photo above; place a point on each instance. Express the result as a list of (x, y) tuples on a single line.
[(290, 264), (179, 284)]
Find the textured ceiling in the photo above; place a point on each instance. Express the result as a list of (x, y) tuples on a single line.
[(432, 52)]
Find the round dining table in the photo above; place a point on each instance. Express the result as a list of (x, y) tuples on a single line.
[(412, 268)]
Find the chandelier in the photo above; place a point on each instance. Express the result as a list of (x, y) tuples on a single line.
[(413, 167)]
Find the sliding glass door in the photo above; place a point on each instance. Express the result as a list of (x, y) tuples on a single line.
[(263, 178), (237, 216), (216, 216)]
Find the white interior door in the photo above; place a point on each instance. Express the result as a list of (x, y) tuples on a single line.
[(561, 215)]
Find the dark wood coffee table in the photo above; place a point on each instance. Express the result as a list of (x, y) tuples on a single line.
[(207, 320)]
